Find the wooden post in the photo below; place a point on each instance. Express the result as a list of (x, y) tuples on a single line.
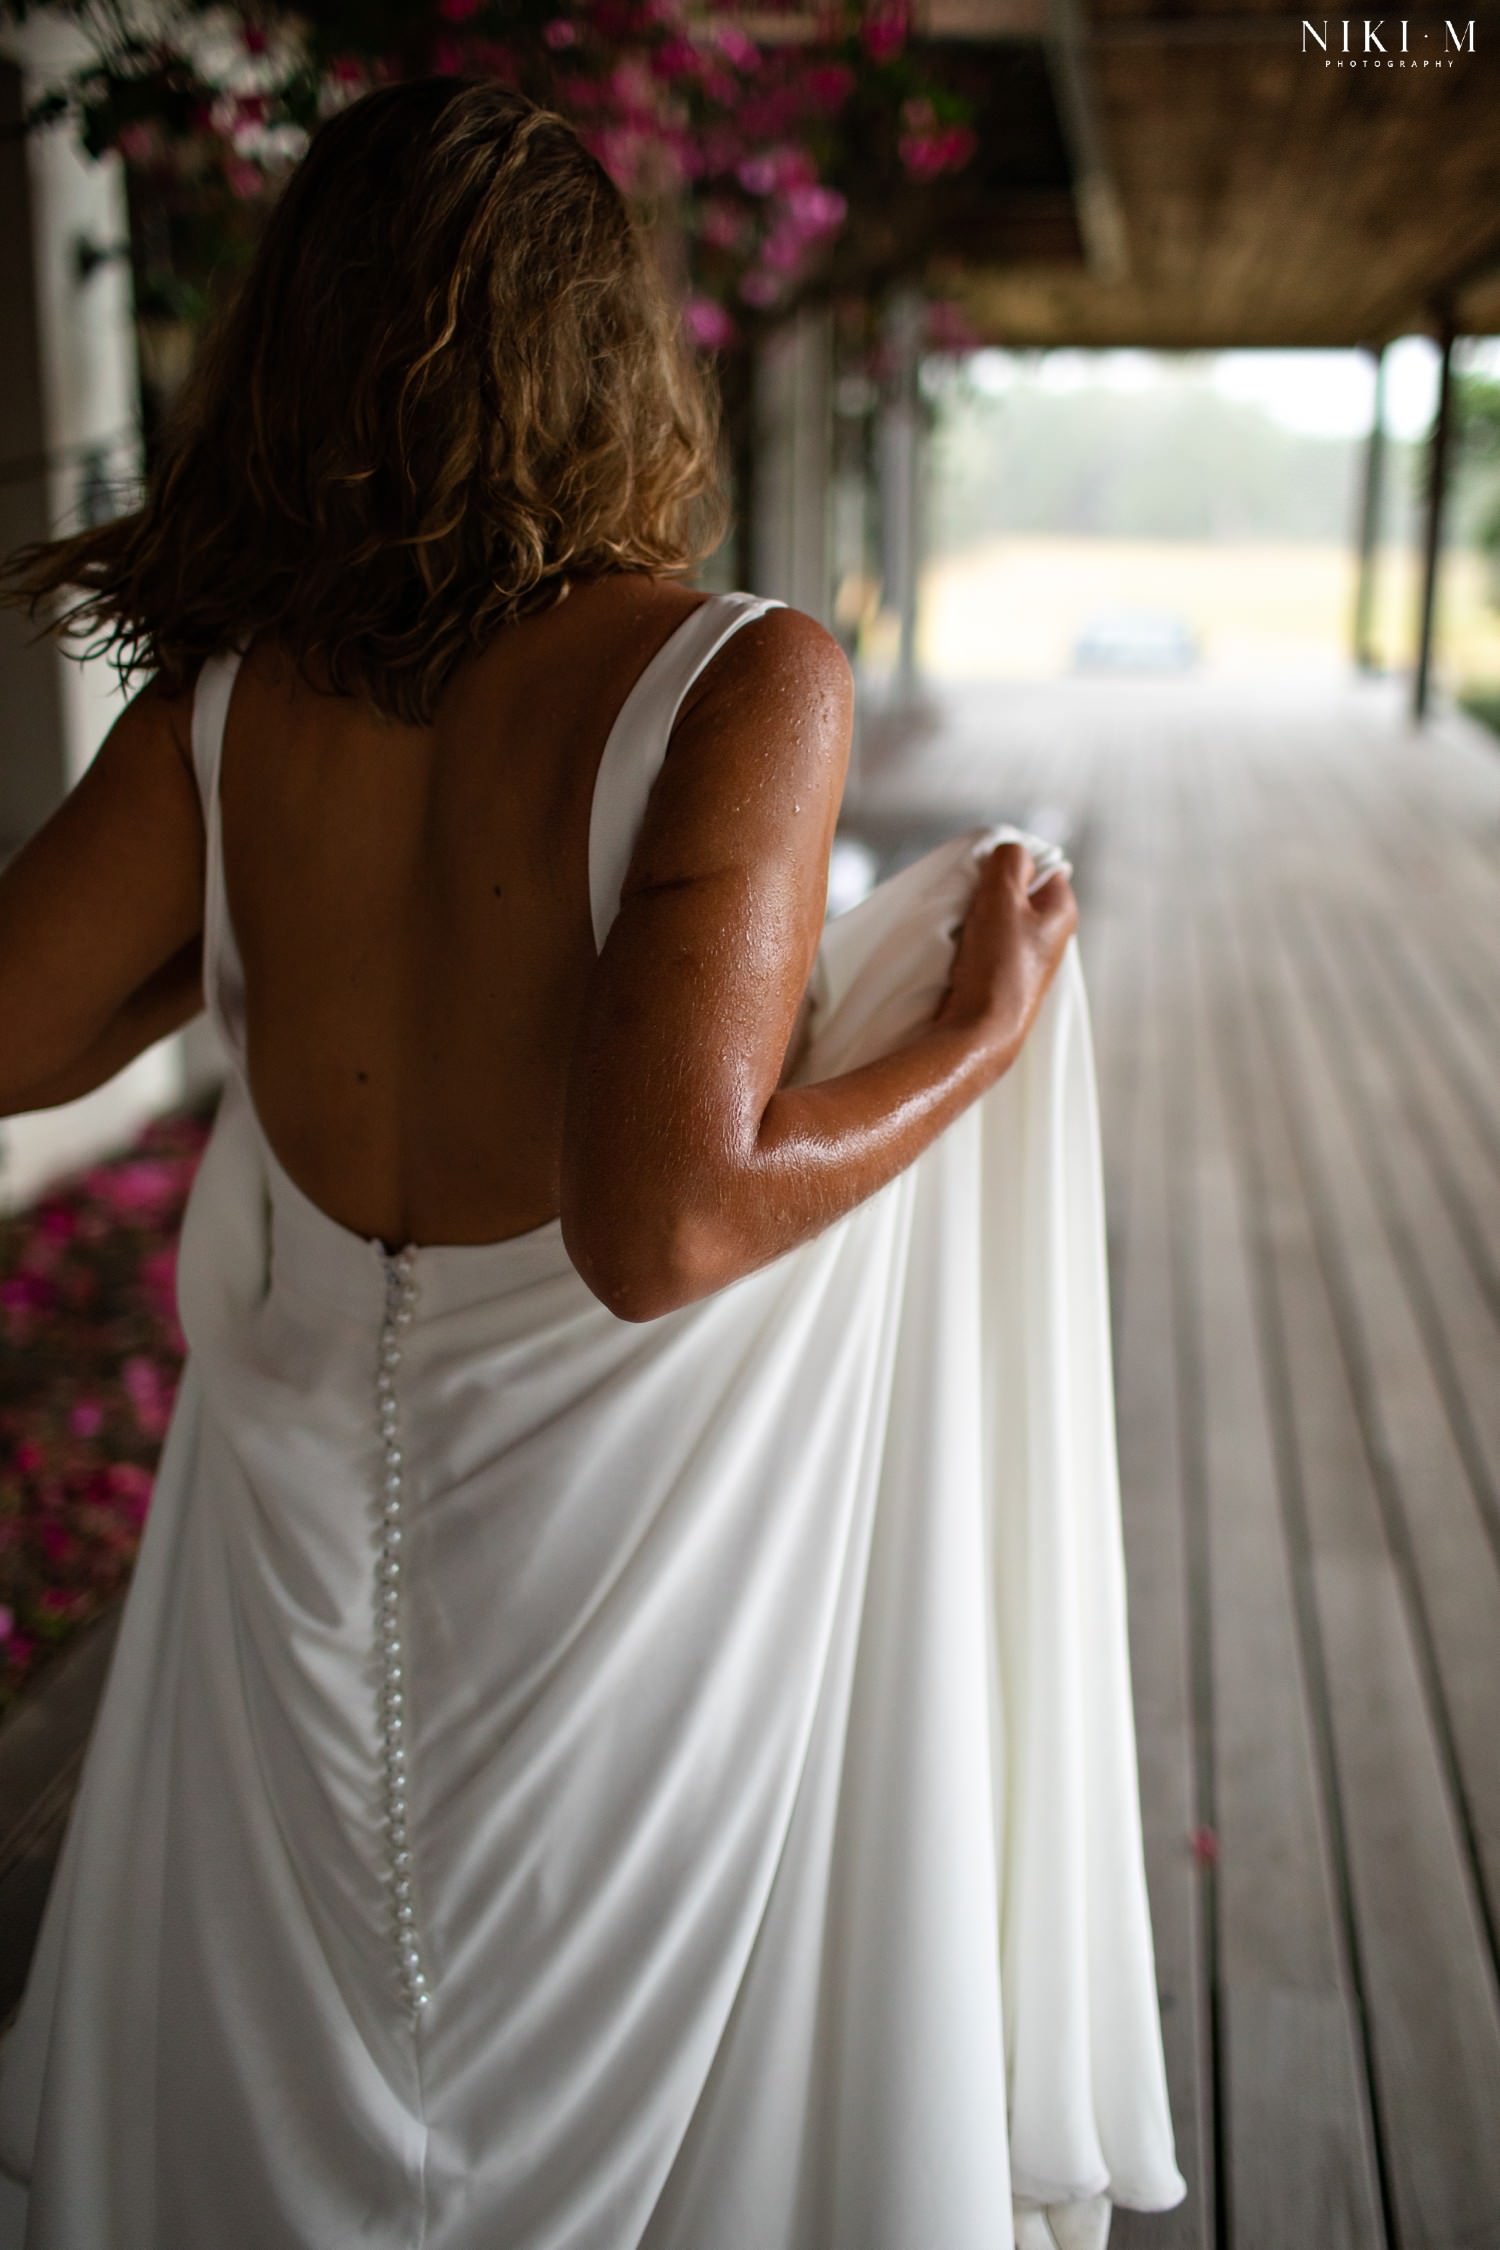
[(1369, 525), (1437, 480), (792, 467), (900, 468)]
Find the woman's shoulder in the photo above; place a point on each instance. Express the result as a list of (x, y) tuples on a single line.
[(780, 647), (786, 649)]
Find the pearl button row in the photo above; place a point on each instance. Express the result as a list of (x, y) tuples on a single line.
[(391, 1706)]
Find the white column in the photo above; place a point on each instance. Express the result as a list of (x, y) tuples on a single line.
[(900, 467), (69, 432), (791, 515)]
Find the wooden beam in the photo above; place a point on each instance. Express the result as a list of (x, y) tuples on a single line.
[(1398, 316), (982, 19), (1369, 524), (1101, 217), (991, 20), (1437, 479), (1020, 226)]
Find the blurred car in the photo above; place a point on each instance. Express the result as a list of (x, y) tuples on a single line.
[(1136, 641)]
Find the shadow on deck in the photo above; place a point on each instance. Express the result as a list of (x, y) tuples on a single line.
[(1291, 927)]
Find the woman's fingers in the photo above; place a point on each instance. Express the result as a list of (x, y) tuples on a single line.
[(1010, 864)]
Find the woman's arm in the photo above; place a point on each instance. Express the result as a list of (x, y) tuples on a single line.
[(685, 1163), (164, 1003), (101, 915)]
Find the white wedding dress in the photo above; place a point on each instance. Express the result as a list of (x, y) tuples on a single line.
[(566, 1784)]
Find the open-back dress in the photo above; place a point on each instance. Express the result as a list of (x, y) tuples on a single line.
[(573, 1784)]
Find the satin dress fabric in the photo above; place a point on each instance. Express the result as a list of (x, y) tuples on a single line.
[(773, 1814)]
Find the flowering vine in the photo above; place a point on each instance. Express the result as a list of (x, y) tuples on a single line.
[(88, 1371), (754, 137)]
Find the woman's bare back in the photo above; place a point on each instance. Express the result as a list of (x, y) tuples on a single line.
[(411, 906), (435, 1053)]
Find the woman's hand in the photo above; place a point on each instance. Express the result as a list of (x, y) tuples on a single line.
[(1009, 948)]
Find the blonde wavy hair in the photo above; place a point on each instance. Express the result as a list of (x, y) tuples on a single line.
[(452, 381)]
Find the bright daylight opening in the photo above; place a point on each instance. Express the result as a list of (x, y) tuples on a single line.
[(1132, 511)]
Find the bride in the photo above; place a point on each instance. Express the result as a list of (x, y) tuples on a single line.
[(566, 1776)]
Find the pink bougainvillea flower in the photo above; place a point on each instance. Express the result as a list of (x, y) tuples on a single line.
[(150, 1186), (458, 11), (619, 21), (829, 84), (149, 1393), (676, 58), (130, 1487), (630, 85), (159, 1277), (737, 46), (75, 1470), (757, 175), (759, 288), (140, 142), (27, 1292), (816, 209), (560, 33), (883, 38), (244, 180), (708, 324), (784, 250), (927, 155), (720, 225), (796, 166)]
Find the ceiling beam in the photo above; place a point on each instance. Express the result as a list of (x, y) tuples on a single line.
[(1101, 216)]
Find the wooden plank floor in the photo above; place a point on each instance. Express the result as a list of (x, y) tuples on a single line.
[(1291, 931)]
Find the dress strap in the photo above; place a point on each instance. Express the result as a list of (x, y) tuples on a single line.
[(223, 977), (638, 740)]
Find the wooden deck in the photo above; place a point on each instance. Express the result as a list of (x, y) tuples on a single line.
[(1291, 930)]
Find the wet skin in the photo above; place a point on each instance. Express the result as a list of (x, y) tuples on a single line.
[(436, 1054)]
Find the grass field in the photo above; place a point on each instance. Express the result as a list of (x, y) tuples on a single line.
[(1010, 609)]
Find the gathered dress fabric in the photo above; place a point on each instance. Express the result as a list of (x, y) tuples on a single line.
[(711, 1822)]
